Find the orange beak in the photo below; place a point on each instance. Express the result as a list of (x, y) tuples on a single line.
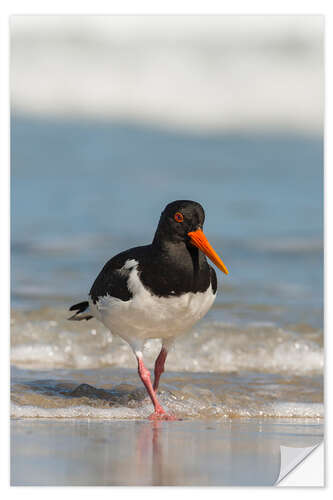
[(200, 241)]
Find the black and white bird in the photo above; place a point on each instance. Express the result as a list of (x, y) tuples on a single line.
[(157, 291)]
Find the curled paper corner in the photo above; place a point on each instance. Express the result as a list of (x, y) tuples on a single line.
[(291, 457)]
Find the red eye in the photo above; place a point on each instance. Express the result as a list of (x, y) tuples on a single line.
[(178, 217)]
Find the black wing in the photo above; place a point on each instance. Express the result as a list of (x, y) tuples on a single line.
[(112, 280)]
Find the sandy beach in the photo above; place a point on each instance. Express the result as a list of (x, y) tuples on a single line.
[(89, 427), (243, 452)]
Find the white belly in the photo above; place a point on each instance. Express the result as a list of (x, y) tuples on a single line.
[(147, 316)]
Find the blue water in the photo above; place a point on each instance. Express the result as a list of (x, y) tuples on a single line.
[(83, 191)]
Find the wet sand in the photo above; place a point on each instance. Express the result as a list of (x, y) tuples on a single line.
[(90, 452)]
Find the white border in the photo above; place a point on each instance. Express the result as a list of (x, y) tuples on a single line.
[(139, 7)]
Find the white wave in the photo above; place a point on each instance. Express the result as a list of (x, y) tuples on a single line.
[(41, 342), (195, 72), (296, 409), (191, 408), (80, 411)]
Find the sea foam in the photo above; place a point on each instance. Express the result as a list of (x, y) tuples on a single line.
[(45, 339)]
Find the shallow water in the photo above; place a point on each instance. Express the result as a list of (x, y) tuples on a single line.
[(68, 369), (246, 452), (117, 393), (81, 192)]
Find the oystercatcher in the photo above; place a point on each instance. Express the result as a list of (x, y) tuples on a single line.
[(157, 291)]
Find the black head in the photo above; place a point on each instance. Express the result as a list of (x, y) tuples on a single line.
[(181, 222), (178, 219)]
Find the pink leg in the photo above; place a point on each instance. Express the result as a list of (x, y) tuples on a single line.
[(159, 367), (159, 413)]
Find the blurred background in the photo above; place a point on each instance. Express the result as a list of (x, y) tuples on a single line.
[(115, 116)]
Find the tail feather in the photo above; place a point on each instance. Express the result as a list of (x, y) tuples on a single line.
[(82, 311)]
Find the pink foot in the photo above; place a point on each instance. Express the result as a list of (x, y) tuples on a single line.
[(161, 415)]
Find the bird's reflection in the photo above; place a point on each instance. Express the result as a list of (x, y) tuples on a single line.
[(150, 455), (162, 453)]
